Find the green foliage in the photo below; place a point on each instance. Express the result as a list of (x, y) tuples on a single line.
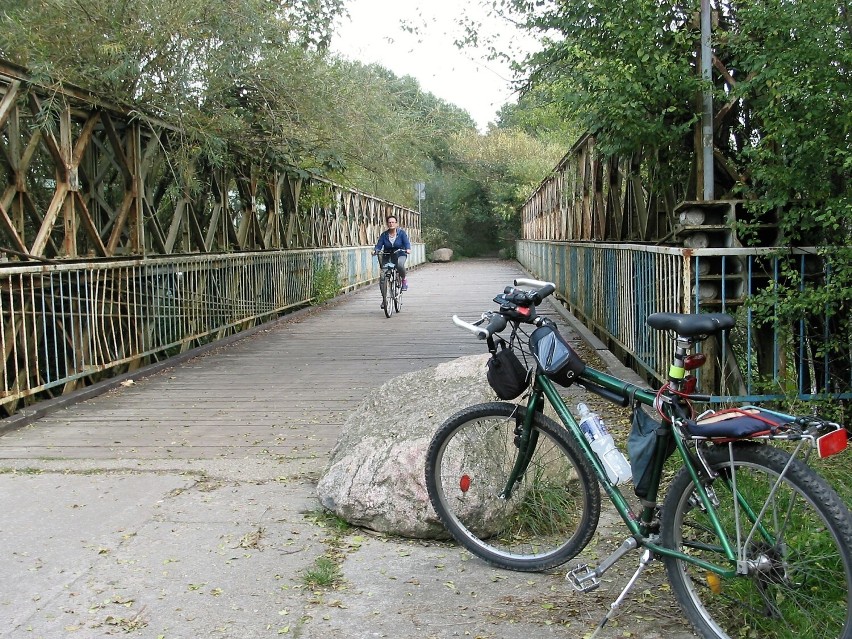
[(389, 130), (483, 180), (795, 59), (622, 71), (316, 194), (810, 307), (328, 520), (326, 281), (232, 75), (434, 238), (324, 573), (539, 113)]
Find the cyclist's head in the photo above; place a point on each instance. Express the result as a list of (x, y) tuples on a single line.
[(391, 221)]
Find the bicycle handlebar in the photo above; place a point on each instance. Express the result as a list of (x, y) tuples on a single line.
[(497, 321), (496, 324), (544, 288), (522, 281)]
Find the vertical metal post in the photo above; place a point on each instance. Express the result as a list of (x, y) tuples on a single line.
[(707, 102)]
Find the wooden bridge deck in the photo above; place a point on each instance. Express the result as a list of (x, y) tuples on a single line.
[(284, 391)]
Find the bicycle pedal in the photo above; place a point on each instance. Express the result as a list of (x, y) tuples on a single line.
[(583, 578)]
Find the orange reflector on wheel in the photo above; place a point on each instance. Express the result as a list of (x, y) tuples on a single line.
[(831, 443), (714, 582), (464, 483)]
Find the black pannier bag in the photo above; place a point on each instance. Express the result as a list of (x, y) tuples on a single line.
[(555, 357), (641, 445), (506, 374)]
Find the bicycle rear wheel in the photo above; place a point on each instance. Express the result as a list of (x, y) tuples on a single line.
[(553, 509), (397, 292), (387, 294), (799, 561)]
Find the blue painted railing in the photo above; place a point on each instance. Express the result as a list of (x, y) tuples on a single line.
[(612, 288)]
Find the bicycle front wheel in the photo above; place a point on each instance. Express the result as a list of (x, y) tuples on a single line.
[(792, 534), (554, 505), (397, 293), (387, 295)]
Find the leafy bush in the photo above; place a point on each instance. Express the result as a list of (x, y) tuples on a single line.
[(326, 281)]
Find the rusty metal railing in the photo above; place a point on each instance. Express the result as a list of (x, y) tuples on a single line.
[(65, 325)]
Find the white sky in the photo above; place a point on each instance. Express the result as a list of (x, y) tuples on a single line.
[(374, 34)]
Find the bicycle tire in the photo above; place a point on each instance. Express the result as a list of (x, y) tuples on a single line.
[(397, 292), (802, 586), (387, 295), (553, 511)]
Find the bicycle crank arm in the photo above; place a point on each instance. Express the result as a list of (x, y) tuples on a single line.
[(585, 579)]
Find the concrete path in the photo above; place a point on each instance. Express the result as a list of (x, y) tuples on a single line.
[(182, 505)]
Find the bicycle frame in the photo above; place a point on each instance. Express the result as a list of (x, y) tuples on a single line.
[(638, 525)]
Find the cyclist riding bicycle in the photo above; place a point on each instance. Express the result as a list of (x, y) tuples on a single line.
[(393, 239)]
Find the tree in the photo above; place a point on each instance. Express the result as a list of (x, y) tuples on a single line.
[(793, 63), (627, 72), (482, 183)]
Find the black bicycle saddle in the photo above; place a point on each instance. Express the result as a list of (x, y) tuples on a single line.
[(691, 325)]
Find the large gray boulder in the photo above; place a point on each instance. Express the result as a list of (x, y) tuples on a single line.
[(375, 478), (442, 255)]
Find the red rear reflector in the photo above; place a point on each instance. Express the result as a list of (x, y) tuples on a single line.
[(524, 310), (696, 360), (690, 382), (464, 483), (832, 443)]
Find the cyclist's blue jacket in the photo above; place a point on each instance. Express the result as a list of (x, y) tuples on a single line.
[(400, 242)]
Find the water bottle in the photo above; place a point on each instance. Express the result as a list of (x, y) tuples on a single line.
[(616, 466)]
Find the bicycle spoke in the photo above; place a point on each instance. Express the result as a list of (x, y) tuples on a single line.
[(792, 547)]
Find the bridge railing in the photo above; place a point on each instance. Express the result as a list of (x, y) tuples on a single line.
[(612, 288), (65, 325), (122, 244)]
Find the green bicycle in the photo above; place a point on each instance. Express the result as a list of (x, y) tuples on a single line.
[(755, 543)]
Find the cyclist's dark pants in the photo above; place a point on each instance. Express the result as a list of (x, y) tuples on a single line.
[(400, 262)]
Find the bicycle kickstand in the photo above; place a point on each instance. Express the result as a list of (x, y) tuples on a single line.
[(647, 558)]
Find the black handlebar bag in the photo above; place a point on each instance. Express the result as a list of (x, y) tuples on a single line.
[(506, 374), (554, 355)]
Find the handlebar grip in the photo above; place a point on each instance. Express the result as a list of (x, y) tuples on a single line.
[(497, 324), (544, 288), (544, 291)]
